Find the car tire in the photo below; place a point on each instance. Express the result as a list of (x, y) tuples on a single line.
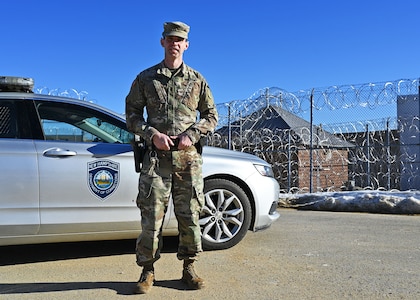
[(226, 216)]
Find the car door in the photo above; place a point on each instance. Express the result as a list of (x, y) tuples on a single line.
[(19, 186), (87, 179)]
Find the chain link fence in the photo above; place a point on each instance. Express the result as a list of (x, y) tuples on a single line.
[(348, 137)]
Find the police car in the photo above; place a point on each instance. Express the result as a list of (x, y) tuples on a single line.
[(67, 174)]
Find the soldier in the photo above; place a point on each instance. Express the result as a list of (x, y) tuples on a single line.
[(172, 94)]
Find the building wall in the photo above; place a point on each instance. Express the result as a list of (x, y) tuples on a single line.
[(330, 169), (408, 111)]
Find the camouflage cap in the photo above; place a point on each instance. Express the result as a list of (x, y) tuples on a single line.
[(176, 29)]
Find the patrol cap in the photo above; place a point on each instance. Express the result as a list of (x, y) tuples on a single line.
[(176, 29)]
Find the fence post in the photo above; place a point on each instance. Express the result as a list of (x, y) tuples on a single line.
[(311, 141), (229, 129), (241, 139), (367, 156), (388, 157), (289, 158)]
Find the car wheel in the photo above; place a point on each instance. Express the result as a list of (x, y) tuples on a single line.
[(226, 215)]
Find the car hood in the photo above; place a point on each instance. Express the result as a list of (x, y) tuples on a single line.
[(214, 152)]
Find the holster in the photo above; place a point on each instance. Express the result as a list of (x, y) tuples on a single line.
[(201, 143), (139, 149)]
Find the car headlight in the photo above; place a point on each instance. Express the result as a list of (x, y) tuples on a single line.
[(264, 170)]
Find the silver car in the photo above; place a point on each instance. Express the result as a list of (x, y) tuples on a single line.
[(67, 174)]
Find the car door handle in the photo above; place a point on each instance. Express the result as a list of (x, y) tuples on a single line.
[(58, 152)]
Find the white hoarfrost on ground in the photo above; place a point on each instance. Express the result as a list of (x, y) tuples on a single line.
[(372, 201)]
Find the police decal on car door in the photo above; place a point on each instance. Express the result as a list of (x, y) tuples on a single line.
[(103, 177)]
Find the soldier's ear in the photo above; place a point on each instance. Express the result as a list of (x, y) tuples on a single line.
[(161, 42)]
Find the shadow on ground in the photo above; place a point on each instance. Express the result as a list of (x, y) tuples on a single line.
[(22, 254), (120, 288)]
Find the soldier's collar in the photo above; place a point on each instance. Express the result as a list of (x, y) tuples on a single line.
[(164, 70)]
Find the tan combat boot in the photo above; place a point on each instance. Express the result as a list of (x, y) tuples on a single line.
[(190, 277), (145, 283)]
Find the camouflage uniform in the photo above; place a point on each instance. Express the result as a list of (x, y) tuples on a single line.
[(171, 101)]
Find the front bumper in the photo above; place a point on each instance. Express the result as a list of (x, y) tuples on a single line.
[(266, 192)]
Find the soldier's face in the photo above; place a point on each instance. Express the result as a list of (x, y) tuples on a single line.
[(174, 45)]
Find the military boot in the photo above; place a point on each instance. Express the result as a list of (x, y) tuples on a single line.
[(145, 283), (190, 277)]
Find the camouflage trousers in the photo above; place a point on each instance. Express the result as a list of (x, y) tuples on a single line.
[(166, 173)]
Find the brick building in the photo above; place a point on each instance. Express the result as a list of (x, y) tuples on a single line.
[(284, 140)]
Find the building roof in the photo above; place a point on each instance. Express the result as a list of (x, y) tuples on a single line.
[(276, 118)]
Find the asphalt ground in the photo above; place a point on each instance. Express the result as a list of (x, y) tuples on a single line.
[(304, 255)]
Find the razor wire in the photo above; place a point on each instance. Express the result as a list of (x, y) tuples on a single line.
[(68, 93), (347, 137)]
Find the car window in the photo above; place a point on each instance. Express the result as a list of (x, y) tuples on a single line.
[(73, 123), (18, 120), (7, 120)]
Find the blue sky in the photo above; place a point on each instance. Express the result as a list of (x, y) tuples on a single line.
[(239, 46)]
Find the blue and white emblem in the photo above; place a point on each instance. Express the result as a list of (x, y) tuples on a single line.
[(103, 177)]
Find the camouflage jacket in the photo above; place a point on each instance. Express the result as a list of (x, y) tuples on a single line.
[(172, 103)]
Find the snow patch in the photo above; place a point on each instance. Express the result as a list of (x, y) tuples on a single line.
[(393, 202)]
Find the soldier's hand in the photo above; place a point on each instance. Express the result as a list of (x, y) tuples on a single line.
[(184, 141), (162, 141)]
